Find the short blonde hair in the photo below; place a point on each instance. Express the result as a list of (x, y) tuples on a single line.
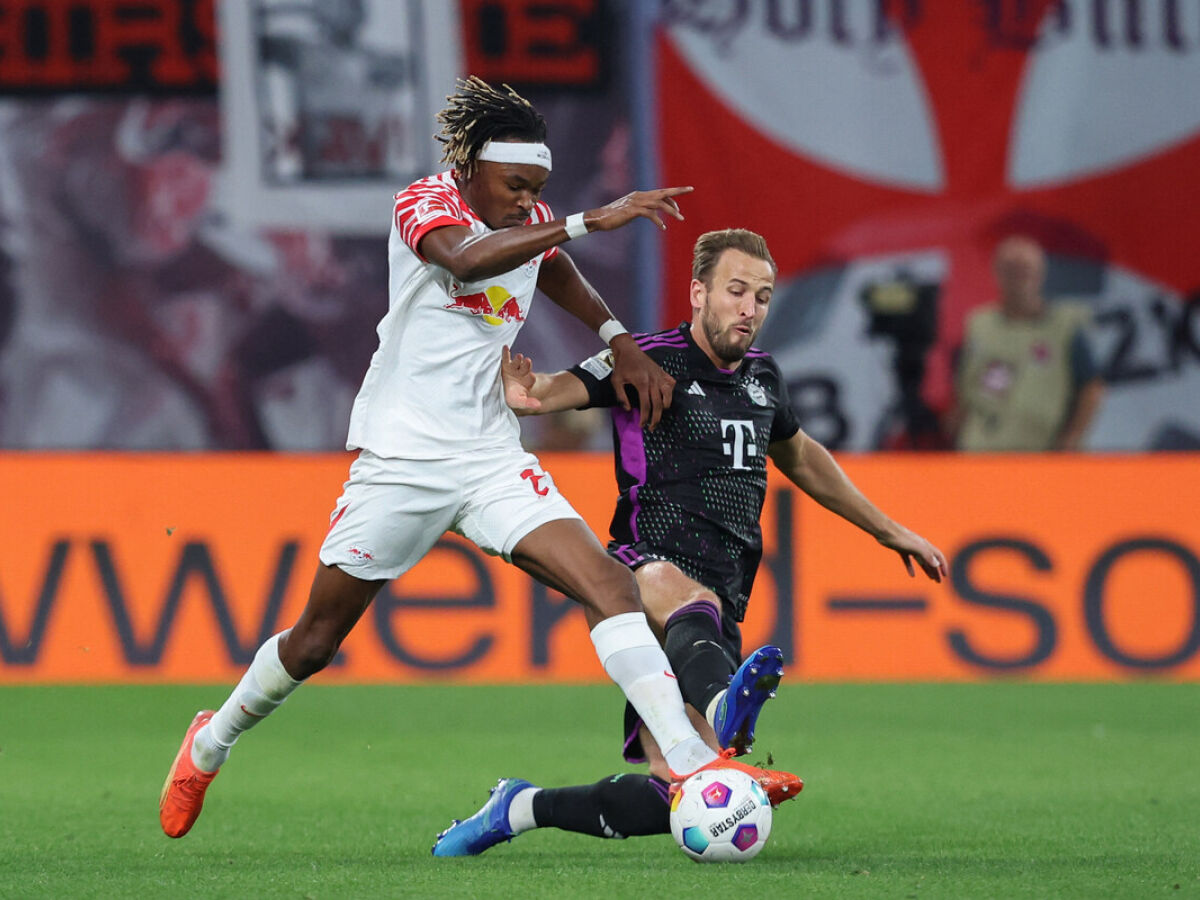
[(711, 244)]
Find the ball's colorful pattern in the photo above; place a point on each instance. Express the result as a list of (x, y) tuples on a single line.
[(721, 816), (716, 795)]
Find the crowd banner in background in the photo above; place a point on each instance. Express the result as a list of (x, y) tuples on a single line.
[(193, 218), (146, 568), (883, 148), (182, 272)]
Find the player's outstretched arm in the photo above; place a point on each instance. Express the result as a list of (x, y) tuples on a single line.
[(812, 469), (470, 257), (530, 393)]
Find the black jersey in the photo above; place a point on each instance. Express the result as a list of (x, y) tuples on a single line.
[(692, 490)]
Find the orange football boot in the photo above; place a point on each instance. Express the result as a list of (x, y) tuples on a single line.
[(183, 792), (779, 786)]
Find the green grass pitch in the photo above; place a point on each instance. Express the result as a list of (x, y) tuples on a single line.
[(998, 790)]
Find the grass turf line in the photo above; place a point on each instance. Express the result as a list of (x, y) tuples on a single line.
[(912, 791)]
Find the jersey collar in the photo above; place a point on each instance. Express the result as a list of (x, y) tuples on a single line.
[(700, 358)]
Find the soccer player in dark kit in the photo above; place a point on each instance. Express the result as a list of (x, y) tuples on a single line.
[(687, 523)]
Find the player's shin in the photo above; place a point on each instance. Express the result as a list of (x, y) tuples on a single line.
[(693, 645), (265, 685), (633, 659)]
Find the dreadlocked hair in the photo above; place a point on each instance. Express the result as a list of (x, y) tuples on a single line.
[(478, 113)]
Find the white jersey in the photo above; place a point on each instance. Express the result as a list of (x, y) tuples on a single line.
[(433, 388)]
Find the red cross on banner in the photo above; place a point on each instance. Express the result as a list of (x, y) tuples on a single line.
[(900, 140)]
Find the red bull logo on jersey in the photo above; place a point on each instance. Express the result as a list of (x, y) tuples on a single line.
[(494, 305)]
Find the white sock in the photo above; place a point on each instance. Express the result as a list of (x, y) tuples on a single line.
[(520, 811), (633, 659), (265, 685), (711, 713)]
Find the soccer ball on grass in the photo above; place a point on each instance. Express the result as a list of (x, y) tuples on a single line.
[(721, 815)]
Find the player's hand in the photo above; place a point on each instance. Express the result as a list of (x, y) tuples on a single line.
[(516, 372), (633, 368), (652, 205), (910, 546)]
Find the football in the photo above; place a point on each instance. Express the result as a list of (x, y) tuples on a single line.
[(721, 815)]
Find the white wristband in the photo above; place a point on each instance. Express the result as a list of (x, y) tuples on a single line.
[(575, 226), (610, 330)]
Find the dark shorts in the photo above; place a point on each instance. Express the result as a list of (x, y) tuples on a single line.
[(731, 643), (729, 576)]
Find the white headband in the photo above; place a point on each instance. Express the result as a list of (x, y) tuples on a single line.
[(510, 152)]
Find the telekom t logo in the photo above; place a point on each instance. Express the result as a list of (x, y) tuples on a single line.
[(742, 444)]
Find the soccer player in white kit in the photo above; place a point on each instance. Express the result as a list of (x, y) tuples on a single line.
[(439, 448)]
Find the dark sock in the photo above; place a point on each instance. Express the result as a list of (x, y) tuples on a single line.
[(693, 645), (619, 806)]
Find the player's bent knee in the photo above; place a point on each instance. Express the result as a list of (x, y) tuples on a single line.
[(308, 652), (613, 591)]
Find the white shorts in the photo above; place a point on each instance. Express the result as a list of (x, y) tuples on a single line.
[(392, 511)]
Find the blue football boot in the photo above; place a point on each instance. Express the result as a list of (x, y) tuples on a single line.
[(752, 685), (486, 828)]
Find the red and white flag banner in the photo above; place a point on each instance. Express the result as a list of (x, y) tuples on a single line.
[(893, 143)]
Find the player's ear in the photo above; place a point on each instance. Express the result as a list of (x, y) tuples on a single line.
[(698, 293)]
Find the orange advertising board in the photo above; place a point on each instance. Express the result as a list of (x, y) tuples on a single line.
[(140, 568)]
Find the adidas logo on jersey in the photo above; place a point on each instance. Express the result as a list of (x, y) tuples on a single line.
[(696, 389)]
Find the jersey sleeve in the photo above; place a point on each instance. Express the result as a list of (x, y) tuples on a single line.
[(542, 213), (786, 423), (595, 373), (424, 206)]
